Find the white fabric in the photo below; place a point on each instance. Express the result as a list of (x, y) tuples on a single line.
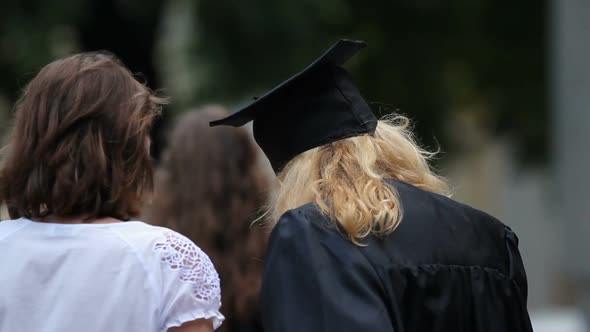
[(125, 277)]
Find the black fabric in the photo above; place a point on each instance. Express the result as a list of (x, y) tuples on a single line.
[(447, 267), (317, 106)]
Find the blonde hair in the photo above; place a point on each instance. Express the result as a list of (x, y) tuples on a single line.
[(345, 179)]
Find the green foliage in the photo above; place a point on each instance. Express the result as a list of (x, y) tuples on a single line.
[(27, 32), (427, 58)]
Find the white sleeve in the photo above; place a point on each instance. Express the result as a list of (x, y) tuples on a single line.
[(190, 283)]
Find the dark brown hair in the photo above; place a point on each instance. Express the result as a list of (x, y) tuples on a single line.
[(80, 146), (210, 188)]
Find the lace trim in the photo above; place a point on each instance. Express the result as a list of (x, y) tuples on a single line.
[(179, 253)]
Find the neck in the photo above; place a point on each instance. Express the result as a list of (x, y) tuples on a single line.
[(76, 220)]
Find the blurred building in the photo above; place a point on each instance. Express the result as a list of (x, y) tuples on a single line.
[(547, 206), (571, 125)]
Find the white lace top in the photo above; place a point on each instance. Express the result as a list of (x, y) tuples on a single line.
[(102, 277)]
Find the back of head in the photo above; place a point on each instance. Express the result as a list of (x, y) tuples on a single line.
[(346, 179), (216, 167), (209, 187), (80, 142)]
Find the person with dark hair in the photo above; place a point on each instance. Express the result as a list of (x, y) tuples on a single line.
[(76, 171), (365, 236), (209, 187)]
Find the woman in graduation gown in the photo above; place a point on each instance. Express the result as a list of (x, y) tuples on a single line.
[(365, 237)]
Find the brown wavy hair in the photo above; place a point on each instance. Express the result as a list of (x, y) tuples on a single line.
[(80, 142), (210, 188)]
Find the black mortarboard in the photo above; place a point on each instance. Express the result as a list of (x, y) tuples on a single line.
[(317, 106)]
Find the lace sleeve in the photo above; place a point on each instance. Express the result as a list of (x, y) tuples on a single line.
[(191, 283)]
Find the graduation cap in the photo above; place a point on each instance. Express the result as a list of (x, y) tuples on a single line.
[(315, 107)]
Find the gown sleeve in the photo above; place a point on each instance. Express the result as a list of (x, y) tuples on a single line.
[(518, 278), (316, 280)]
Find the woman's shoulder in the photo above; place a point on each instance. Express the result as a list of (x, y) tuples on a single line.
[(8, 227), (453, 230), (170, 254), (155, 239), (419, 202), (305, 218), (184, 274), (307, 225)]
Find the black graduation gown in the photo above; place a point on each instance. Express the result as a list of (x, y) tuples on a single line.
[(447, 267)]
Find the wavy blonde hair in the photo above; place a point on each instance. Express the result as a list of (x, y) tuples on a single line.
[(345, 179)]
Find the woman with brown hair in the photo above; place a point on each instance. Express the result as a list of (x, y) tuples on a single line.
[(209, 188), (365, 236), (76, 171)]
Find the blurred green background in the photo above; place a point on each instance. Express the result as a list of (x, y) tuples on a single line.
[(431, 60)]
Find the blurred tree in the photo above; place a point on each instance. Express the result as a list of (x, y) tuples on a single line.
[(35, 32), (28, 30), (428, 58)]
